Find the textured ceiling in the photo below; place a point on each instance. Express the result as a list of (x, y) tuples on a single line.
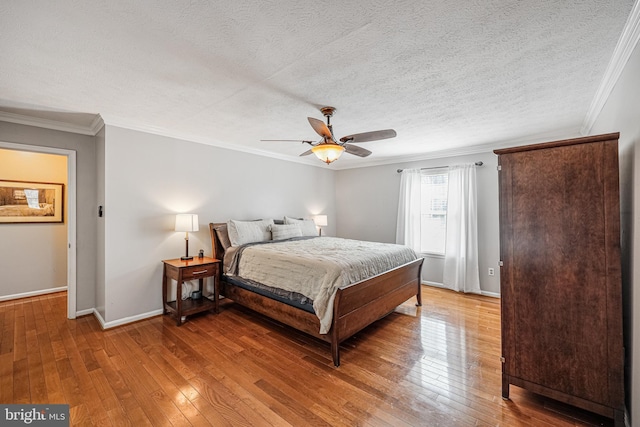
[(446, 75)]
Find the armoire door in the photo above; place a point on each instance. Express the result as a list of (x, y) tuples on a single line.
[(560, 278)]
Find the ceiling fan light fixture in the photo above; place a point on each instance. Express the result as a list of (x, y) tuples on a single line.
[(328, 152), (328, 149)]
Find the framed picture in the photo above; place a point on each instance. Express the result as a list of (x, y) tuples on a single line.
[(24, 202)]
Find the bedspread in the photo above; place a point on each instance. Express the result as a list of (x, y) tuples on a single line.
[(318, 267)]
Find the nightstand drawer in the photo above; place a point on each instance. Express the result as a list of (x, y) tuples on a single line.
[(197, 271)]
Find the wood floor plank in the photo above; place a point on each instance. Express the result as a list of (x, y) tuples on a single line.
[(145, 398), (274, 380), (249, 397), (118, 418), (107, 395), (246, 375), (21, 391), (6, 378), (174, 394), (8, 327), (438, 364), (225, 401), (19, 334), (37, 379), (211, 413)]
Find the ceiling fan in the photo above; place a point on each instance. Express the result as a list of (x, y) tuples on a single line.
[(328, 149)]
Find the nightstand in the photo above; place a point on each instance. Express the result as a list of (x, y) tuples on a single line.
[(181, 271)]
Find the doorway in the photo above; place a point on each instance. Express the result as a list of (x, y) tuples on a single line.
[(70, 214)]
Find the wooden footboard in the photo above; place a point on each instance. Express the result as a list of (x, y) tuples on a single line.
[(356, 306), (360, 304)]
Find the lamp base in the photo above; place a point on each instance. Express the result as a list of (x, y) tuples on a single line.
[(186, 258)]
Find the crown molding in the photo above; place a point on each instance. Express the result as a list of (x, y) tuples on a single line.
[(20, 119), (125, 124), (621, 54), (96, 125)]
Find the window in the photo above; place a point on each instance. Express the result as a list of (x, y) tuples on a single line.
[(433, 211), (33, 198)]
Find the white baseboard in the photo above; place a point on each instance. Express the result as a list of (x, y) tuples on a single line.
[(125, 320), (440, 285), (84, 312), (33, 293), (490, 294), (434, 284), (96, 313)]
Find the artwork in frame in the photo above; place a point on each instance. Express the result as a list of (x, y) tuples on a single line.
[(28, 202)]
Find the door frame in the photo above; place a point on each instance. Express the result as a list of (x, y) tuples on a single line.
[(70, 214)]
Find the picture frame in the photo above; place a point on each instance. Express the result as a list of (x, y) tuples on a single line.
[(30, 202)]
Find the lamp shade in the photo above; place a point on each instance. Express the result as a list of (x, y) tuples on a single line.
[(328, 152), (320, 220), (186, 222)]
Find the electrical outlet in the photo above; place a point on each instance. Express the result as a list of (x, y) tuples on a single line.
[(492, 272)]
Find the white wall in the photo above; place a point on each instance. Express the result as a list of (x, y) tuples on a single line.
[(621, 113), (149, 178), (33, 257), (86, 187), (367, 208)]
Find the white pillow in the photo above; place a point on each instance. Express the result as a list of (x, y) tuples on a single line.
[(285, 231), (307, 226), (242, 232)]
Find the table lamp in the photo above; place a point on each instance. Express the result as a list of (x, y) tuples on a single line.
[(321, 221), (186, 223)]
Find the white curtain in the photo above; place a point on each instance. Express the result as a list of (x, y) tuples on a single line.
[(461, 251), (408, 224)]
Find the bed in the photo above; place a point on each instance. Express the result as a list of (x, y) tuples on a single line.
[(350, 307)]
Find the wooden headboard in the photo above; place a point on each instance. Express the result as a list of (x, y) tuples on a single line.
[(217, 251)]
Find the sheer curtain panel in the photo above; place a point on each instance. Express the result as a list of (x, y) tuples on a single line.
[(408, 224), (461, 251)]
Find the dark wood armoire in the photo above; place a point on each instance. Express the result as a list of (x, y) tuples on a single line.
[(561, 298)]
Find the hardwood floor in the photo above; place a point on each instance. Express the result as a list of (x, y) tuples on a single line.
[(437, 365)]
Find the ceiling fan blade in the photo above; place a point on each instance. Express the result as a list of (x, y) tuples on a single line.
[(287, 140), (320, 127), (306, 153), (369, 136), (355, 150)]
